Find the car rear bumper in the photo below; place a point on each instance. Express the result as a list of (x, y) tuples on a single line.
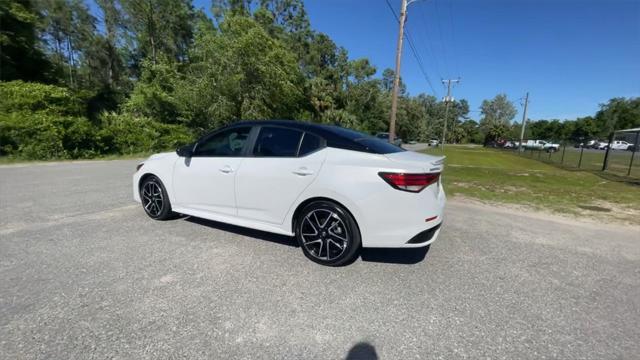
[(425, 237), (414, 221)]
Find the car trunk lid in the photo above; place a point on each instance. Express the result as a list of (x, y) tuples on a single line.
[(429, 163)]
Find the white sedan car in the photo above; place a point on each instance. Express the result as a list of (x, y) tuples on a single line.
[(336, 190)]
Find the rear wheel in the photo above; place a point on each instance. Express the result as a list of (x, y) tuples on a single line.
[(327, 234), (155, 199)]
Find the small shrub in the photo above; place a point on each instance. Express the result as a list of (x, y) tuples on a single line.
[(129, 134), (43, 136)]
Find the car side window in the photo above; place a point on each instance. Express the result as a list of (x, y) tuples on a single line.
[(278, 142), (227, 143), (310, 143)]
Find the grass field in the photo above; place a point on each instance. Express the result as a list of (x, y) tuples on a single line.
[(503, 177)]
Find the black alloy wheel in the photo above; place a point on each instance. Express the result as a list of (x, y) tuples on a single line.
[(328, 234), (155, 200)]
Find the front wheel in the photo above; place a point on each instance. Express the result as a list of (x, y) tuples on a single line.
[(327, 234), (155, 199)]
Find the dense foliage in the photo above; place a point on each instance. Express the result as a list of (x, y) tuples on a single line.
[(137, 76)]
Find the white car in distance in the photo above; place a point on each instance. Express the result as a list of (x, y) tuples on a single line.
[(541, 145), (336, 190), (620, 145)]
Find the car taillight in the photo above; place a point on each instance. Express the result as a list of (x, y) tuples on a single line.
[(409, 182), (139, 166)]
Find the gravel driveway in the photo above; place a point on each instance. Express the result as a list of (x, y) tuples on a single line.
[(85, 274)]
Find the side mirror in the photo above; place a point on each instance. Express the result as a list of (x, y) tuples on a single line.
[(185, 151)]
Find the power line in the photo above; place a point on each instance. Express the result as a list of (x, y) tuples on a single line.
[(428, 42), (412, 47), (453, 38), (442, 43)]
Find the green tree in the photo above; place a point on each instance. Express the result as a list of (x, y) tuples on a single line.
[(238, 72), (160, 28), (584, 128), (618, 114), (154, 94), (69, 31), (471, 132), (497, 114), (20, 55), (387, 82), (114, 28)]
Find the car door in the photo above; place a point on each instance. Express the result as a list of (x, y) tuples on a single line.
[(284, 162), (206, 180)]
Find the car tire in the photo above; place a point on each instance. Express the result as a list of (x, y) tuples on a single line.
[(155, 200), (327, 233)]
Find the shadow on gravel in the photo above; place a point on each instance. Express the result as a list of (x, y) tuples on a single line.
[(262, 235), (390, 256), (362, 351), (395, 256)]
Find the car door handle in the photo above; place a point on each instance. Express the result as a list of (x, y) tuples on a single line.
[(303, 171), (226, 169)]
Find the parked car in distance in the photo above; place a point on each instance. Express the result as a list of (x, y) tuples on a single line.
[(385, 136), (620, 145), (601, 145), (510, 145), (541, 145), (592, 144), (331, 188), (433, 142)]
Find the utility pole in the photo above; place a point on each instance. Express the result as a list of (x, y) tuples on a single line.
[(396, 79), (524, 120), (447, 99)]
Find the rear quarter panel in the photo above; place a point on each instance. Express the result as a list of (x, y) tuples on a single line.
[(385, 216)]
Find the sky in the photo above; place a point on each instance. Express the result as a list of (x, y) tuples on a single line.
[(570, 55)]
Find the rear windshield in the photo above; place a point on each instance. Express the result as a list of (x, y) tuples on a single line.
[(379, 146), (371, 143)]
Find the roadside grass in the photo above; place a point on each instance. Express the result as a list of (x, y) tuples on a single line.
[(502, 177), (10, 160)]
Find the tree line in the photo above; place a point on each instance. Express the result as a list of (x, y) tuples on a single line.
[(615, 114), (146, 75)]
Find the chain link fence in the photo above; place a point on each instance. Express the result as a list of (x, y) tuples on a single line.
[(621, 162)]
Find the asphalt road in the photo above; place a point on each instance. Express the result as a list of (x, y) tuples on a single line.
[(85, 274)]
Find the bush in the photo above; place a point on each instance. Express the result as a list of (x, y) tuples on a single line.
[(42, 136), (129, 134), (20, 96), (41, 122)]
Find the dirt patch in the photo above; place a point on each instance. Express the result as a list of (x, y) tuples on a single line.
[(622, 216), (594, 208), (504, 189)]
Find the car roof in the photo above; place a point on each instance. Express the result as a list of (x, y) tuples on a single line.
[(329, 132), (294, 124), (335, 136)]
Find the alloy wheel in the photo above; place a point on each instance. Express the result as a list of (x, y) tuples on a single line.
[(152, 198), (324, 234)]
